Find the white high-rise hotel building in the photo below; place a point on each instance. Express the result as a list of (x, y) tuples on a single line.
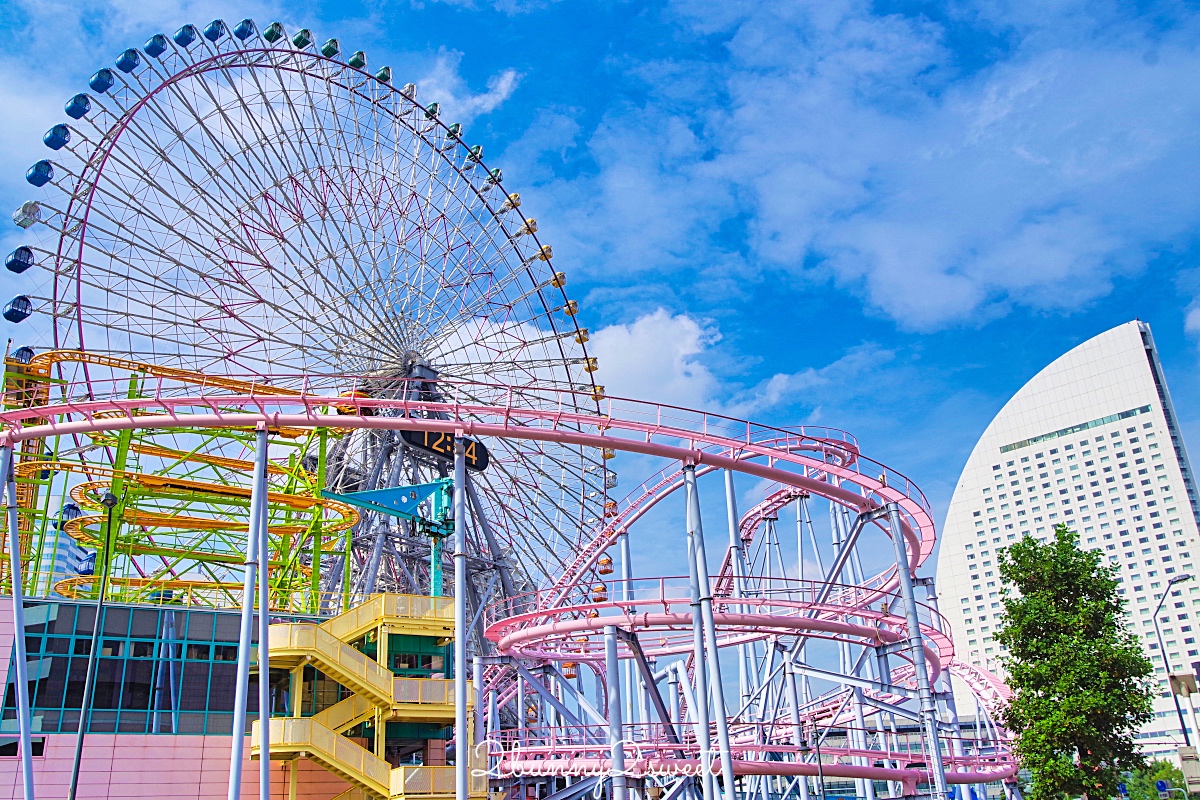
[(1091, 441)]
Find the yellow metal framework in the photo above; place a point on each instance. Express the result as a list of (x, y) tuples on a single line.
[(378, 695)]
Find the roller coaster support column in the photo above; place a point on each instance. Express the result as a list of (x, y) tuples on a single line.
[(699, 662), (18, 611), (461, 733), (797, 725), (700, 575), (947, 686), (737, 561), (916, 644), (477, 678), (612, 676), (264, 622), (258, 498), (628, 674)]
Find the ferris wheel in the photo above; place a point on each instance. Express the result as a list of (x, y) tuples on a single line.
[(240, 201)]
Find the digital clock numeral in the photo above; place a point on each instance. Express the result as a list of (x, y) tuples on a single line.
[(440, 444)]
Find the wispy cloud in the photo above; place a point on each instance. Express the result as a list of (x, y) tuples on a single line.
[(444, 83), (847, 147)]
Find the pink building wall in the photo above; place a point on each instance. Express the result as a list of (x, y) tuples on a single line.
[(137, 766)]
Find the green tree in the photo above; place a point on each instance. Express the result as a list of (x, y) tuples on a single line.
[(1141, 782), (1080, 681)]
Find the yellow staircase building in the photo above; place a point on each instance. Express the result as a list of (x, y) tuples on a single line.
[(378, 696)]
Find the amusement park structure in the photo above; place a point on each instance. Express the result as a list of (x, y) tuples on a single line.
[(299, 368)]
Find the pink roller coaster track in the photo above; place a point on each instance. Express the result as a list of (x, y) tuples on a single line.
[(553, 625)]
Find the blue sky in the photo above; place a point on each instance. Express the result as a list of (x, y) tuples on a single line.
[(882, 216)]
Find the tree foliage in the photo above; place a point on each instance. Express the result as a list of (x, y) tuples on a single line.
[(1141, 783), (1080, 680)]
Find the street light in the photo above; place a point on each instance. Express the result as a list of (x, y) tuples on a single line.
[(1166, 662)]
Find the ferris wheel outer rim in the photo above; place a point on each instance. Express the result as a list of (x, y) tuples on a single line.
[(208, 64)]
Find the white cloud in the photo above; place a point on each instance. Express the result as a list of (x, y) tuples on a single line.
[(670, 359), (445, 85), (658, 357), (844, 146)]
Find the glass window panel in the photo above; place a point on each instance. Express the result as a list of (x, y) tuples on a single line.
[(225, 652), (220, 724), (252, 695), (133, 722), (192, 723), (116, 621), (50, 690), (174, 624), (109, 675), (38, 616), (144, 623), (227, 626), (194, 689), (102, 722), (51, 720), (224, 679), (139, 678), (65, 622), (58, 644), (202, 652), (200, 626), (75, 678)]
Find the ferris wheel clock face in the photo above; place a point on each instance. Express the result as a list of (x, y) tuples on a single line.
[(475, 455)]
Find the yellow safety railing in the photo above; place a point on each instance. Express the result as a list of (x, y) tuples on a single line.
[(393, 609), (302, 735), (426, 781), (355, 793), (345, 714), (423, 690), (354, 670)]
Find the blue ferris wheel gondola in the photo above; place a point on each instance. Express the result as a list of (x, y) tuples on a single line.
[(18, 309), (78, 106), (22, 355), (19, 260), (57, 137), (156, 45), (102, 81), (215, 30), (185, 36), (129, 60), (40, 173), (244, 29)]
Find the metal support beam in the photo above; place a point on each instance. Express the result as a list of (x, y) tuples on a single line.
[(249, 583), (917, 648), (615, 735), (264, 627), (548, 696), (497, 554), (699, 662), (696, 534), (664, 714), (477, 679), (797, 725), (21, 667), (462, 746), (574, 692)]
